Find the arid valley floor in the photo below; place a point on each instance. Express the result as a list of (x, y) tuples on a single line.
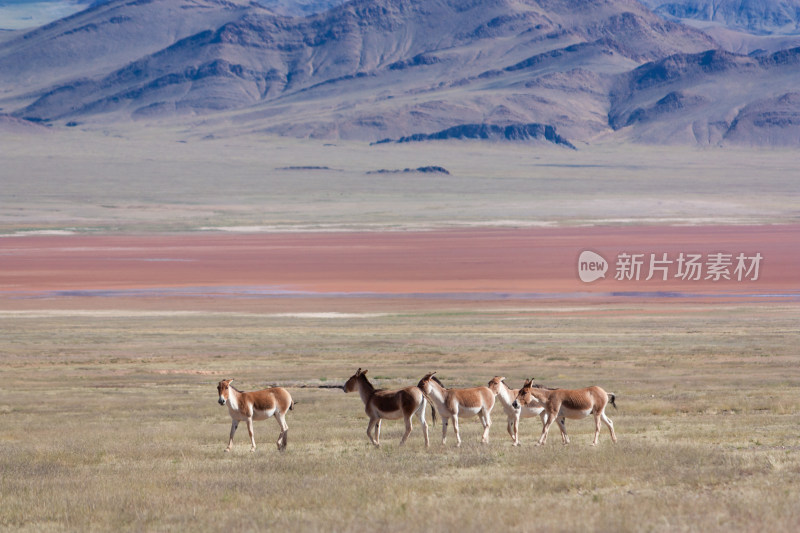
[(138, 268)]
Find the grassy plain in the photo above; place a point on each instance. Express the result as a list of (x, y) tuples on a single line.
[(108, 413), (110, 421), (151, 180)]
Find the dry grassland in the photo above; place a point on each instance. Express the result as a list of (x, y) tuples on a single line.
[(108, 412), (109, 421), (156, 180)]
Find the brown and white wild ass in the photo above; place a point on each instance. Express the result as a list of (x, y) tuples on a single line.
[(507, 396), (456, 403), (388, 404), (569, 403), (256, 405)]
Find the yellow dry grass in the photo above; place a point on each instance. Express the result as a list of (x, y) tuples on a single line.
[(109, 421)]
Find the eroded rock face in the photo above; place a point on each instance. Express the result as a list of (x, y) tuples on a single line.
[(755, 16), (493, 132), (398, 69)]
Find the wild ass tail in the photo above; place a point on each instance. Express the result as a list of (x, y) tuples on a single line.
[(433, 407), (611, 398)]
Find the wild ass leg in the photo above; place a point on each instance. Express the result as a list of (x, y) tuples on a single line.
[(407, 420), (596, 428), (421, 415), (546, 428), (252, 436), (543, 416), (486, 419), (610, 425), (234, 425), (284, 436), (513, 428), (563, 427), (455, 428), (370, 426), (445, 421)]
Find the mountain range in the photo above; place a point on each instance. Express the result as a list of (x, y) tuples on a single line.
[(762, 17), (574, 70)]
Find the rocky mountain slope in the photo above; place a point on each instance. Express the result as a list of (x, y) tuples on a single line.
[(754, 16), (740, 26), (104, 38), (708, 98), (377, 69), (299, 8)]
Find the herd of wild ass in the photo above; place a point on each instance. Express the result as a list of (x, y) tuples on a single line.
[(551, 405)]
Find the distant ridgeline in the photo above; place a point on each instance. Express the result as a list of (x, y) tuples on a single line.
[(562, 71), (490, 132)]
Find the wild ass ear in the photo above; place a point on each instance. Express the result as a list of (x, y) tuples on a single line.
[(358, 372), (364, 373)]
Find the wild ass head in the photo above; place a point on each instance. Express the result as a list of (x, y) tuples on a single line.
[(224, 389), (496, 383), (525, 395), (427, 382), (352, 383)]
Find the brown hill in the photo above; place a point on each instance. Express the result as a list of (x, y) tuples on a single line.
[(371, 69), (709, 98)]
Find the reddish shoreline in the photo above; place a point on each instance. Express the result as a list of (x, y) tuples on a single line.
[(501, 263)]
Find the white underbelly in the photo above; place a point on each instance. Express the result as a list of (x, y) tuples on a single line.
[(262, 415), (574, 413), (467, 412), (390, 415), (530, 412)]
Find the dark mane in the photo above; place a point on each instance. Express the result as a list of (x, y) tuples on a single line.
[(538, 386), (437, 380), (363, 376)]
